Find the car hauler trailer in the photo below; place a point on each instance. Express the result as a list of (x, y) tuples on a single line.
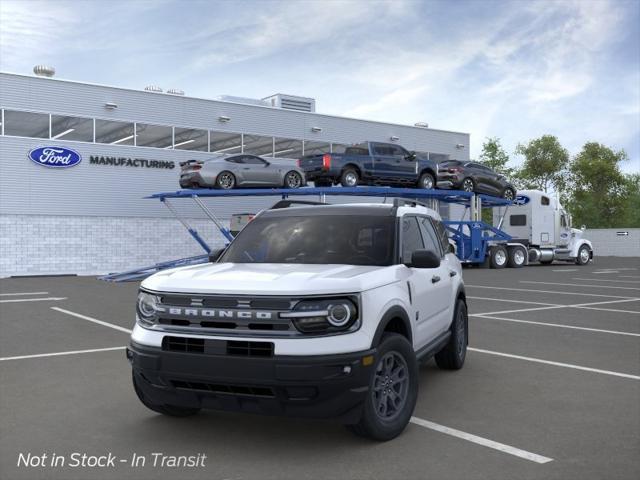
[(538, 222), (476, 242)]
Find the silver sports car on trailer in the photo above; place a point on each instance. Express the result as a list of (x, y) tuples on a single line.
[(234, 171)]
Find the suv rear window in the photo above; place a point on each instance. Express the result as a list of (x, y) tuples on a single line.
[(322, 239)]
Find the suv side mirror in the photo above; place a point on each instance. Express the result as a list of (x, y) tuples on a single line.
[(424, 259), (214, 255)]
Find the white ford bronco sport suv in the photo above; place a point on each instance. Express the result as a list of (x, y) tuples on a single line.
[(318, 310)]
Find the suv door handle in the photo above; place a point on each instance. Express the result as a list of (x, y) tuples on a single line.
[(452, 273), (435, 279)]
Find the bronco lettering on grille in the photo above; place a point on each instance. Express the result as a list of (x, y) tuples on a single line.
[(216, 313)]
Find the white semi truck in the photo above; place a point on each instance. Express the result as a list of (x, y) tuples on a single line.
[(541, 228)]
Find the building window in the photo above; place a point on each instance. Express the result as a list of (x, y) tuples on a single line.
[(115, 133), (287, 148), (191, 139), (71, 128), (316, 148), (258, 145), (26, 124), (225, 143), (157, 136)]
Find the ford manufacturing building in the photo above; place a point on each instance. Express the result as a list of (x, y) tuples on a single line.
[(92, 218)]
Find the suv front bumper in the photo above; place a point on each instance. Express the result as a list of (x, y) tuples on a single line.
[(327, 386)]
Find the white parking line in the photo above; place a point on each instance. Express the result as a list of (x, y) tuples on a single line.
[(47, 299), (580, 285), (555, 364), (512, 301), (605, 272), (567, 270), (528, 290), (629, 276), (588, 306), (607, 280), (558, 325), (23, 293), (90, 319), (485, 442), (57, 354)]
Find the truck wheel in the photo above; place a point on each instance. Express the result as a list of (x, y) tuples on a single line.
[(426, 181), (499, 257), (584, 255), (517, 257), (393, 391), (170, 410), (349, 178), (452, 356), (225, 180)]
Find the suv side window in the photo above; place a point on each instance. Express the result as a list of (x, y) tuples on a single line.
[(442, 234), (431, 241), (411, 238), (397, 151)]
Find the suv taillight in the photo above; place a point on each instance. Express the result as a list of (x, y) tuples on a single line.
[(326, 161), (299, 162), (455, 170)]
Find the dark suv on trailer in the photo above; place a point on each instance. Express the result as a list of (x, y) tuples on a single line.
[(474, 177)]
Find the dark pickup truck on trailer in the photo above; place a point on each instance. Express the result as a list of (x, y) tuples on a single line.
[(371, 163)]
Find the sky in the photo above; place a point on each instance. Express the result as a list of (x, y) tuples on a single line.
[(509, 69)]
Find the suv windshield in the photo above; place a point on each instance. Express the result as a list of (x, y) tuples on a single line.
[(321, 239)]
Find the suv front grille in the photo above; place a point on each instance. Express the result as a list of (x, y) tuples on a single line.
[(217, 347)]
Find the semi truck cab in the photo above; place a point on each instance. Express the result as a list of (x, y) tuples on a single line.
[(540, 223)]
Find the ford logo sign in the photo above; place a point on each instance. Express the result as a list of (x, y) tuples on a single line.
[(55, 157), (521, 200)]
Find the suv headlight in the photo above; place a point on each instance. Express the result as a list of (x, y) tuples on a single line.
[(329, 315), (147, 308)]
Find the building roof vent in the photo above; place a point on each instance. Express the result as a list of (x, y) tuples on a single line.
[(44, 71), (421, 124), (175, 91), (292, 102), (153, 88)]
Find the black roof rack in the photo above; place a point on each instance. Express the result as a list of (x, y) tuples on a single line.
[(288, 203)]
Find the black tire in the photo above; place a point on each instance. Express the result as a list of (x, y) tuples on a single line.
[(349, 178), (170, 410), (293, 180), (584, 255), (453, 354), (468, 185), (383, 426), (517, 257), (225, 180), (509, 194), (498, 257), (426, 181)]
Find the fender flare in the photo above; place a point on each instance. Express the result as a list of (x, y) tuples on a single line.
[(395, 311)]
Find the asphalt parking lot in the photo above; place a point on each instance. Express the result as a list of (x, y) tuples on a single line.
[(551, 389)]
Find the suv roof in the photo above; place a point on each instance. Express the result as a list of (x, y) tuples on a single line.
[(371, 209)]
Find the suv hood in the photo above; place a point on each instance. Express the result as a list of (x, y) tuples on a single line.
[(272, 278)]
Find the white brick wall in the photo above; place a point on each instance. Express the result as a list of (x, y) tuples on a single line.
[(43, 245), (607, 242)]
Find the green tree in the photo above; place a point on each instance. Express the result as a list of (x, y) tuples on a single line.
[(545, 164), (630, 216), (598, 191), (495, 157)]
